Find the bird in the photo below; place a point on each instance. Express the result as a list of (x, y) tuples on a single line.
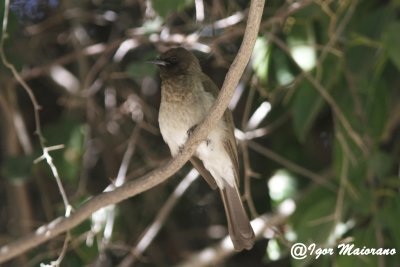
[(187, 95)]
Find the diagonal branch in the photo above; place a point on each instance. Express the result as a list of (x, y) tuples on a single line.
[(161, 174)]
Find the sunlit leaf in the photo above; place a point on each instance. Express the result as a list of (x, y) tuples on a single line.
[(281, 67), (301, 44), (152, 25), (261, 56)]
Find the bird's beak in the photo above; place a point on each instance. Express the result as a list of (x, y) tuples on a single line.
[(158, 62)]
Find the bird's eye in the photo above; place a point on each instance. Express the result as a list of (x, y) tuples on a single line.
[(173, 60)]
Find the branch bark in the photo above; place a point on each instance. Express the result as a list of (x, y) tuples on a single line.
[(154, 178)]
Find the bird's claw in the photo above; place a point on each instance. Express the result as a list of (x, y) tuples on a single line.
[(191, 130)]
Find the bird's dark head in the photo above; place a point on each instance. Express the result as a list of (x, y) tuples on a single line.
[(177, 61)]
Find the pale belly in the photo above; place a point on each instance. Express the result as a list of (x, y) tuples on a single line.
[(216, 159), (175, 122)]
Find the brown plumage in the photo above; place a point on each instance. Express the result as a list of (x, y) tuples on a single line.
[(186, 98)]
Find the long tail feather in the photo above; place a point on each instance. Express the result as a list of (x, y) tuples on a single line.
[(239, 227)]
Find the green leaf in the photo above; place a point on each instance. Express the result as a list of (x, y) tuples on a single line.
[(395, 3), (372, 23), (380, 163), (261, 56), (392, 42), (164, 8), (309, 220), (364, 56), (310, 11), (68, 160), (389, 216), (17, 168), (139, 70), (312, 221), (306, 105), (153, 25), (301, 43), (377, 109), (281, 67), (363, 237), (363, 53), (346, 152)]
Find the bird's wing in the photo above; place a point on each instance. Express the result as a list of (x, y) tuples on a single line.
[(230, 143), (198, 164)]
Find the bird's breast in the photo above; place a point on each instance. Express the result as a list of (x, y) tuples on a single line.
[(181, 108), (175, 119), (174, 122)]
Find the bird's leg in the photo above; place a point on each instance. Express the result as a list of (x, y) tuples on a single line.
[(191, 130), (189, 133)]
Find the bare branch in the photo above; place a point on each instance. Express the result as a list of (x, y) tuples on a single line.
[(161, 174)]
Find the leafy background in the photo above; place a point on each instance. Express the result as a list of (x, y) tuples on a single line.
[(328, 148)]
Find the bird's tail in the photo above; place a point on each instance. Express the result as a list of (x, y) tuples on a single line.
[(239, 227)]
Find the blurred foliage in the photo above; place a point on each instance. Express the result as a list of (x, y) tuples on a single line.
[(32, 10), (338, 123), (164, 8)]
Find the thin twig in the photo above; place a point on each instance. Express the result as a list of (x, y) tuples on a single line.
[(87, 51), (119, 181), (292, 166), (38, 130), (246, 158), (62, 254), (247, 180), (271, 127), (152, 230), (341, 192), (36, 108)]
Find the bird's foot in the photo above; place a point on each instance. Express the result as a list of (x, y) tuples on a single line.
[(191, 130)]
